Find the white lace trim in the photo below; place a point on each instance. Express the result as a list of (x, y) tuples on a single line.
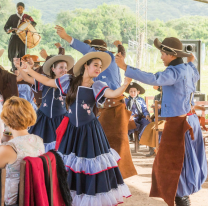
[(90, 166), (111, 198)]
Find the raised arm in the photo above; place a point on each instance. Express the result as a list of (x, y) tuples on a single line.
[(196, 72), (118, 92), (76, 44), (167, 77), (34, 75), (22, 75)]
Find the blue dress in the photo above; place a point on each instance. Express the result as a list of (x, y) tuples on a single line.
[(93, 174), (50, 114)]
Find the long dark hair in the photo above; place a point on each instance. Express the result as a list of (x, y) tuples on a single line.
[(75, 83), (54, 65)]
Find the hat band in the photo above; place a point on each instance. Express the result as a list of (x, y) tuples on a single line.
[(172, 49), (99, 46)]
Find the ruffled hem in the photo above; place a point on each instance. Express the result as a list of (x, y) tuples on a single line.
[(88, 166), (49, 146), (111, 198)]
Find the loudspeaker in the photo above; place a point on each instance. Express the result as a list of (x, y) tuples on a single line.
[(199, 97), (194, 47)]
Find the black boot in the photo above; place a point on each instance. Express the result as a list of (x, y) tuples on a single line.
[(152, 152), (182, 201)]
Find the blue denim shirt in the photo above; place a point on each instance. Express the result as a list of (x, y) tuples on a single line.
[(111, 75), (178, 82), (134, 109)]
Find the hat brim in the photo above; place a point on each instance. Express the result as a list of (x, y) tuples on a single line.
[(1, 52), (103, 56), (135, 85), (67, 58), (158, 45)]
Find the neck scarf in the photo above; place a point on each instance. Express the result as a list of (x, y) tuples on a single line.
[(131, 102), (177, 61), (20, 18)]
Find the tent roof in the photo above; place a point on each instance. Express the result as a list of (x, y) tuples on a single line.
[(204, 1)]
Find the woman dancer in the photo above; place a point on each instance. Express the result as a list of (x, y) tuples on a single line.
[(93, 174), (53, 108)]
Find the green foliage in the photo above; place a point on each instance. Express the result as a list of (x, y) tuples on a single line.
[(5, 11), (157, 9)]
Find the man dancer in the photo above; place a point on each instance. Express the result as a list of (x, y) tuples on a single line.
[(16, 47), (180, 166), (114, 116)]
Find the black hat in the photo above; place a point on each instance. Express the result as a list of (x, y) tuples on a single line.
[(172, 46), (21, 4), (137, 86)]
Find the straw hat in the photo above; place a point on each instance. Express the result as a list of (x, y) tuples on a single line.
[(137, 86), (67, 58), (103, 56), (1, 52), (172, 46)]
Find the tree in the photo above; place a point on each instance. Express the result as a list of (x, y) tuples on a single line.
[(7, 8)]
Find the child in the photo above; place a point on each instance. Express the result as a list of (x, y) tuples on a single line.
[(18, 114), (93, 174), (138, 107)]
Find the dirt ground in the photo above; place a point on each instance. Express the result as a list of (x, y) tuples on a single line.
[(140, 184)]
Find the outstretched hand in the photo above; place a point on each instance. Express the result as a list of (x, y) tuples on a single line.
[(43, 54), (191, 58), (25, 67), (58, 45), (127, 81), (61, 31), (120, 61), (16, 62), (117, 42)]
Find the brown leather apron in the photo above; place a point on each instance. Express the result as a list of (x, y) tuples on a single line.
[(114, 119), (168, 163)]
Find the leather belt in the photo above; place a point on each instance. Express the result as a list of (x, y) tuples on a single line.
[(113, 102)]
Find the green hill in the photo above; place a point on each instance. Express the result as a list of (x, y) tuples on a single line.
[(157, 9)]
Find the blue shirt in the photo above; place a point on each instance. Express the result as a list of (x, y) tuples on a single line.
[(26, 93), (111, 75), (178, 82), (134, 109)]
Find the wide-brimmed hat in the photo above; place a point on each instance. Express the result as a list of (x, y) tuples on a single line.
[(100, 44), (34, 58), (1, 52), (172, 46), (103, 56), (67, 58), (137, 86)]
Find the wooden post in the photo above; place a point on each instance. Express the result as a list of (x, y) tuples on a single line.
[(3, 179)]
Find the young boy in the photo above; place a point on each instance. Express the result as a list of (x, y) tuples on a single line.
[(138, 107)]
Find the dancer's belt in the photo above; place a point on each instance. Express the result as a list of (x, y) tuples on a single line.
[(113, 102)]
